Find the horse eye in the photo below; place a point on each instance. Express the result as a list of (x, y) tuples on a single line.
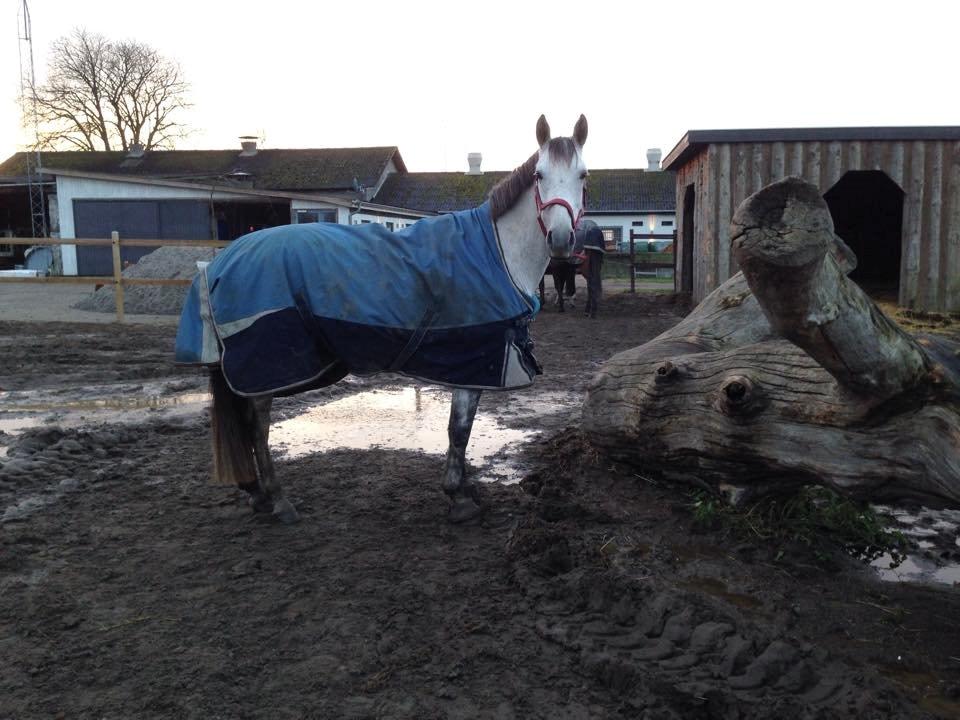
[(583, 175), (537, 175)]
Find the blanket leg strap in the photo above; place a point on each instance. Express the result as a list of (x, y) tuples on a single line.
[(414, 342)]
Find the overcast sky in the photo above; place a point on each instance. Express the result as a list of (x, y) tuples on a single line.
[(441, 79)]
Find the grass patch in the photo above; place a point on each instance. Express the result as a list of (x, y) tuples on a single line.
[(816, 519)]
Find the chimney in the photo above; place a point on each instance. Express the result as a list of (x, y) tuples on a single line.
[(653, 159), (248, 144), (473, 161), (135, 151)]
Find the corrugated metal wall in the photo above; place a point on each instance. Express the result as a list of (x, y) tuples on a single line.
[(928, 172)]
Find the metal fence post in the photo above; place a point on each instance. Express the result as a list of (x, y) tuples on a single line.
[(633, 261), (117, 275)]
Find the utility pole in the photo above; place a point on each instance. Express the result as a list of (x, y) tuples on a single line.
[(28, 101)]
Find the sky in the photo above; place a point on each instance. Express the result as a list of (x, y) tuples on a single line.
[(441, 79)]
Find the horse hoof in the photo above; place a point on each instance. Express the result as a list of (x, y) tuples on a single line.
[(285, 512), (464, 509), (261, 505)]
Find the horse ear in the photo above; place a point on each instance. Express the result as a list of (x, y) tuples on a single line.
[(543, 131), (580, 131)]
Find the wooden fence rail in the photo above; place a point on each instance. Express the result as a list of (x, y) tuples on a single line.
[(117, 278), (636, 267)]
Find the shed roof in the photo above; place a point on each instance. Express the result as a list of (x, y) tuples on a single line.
[(298, 170), (608, 191), (695, 140)]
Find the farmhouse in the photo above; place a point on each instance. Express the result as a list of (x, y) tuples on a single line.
[(222, 194), (218, 194), (893, 193)]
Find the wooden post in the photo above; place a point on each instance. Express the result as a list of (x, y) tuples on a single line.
[(633, 265), (117, 275)]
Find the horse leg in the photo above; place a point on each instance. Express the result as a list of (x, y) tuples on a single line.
[(463, 409), (272, 494), (559, 281), (572, 285)]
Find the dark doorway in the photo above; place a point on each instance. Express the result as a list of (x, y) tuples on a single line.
[(867, 210), (235, 218), (686, 255)]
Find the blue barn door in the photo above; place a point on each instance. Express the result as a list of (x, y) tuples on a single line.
[(137, 219)]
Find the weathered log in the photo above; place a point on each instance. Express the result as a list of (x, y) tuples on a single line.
[(849, 400), (781, 238)]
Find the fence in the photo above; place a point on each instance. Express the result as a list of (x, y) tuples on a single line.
[(117, 280), (662, 261)]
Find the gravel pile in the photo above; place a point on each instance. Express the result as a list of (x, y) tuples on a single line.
[(165, 262)]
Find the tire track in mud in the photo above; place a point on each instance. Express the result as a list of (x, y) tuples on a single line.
[(668, 652)]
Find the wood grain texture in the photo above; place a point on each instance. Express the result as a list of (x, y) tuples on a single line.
[(723, 401)]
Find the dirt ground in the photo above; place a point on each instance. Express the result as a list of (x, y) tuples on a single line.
[(138, 590)]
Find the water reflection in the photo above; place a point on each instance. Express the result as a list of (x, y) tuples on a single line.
[(400, 419), (935, 534)]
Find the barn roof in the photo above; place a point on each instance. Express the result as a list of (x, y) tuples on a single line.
[(298, 170), (695, 140), (608, 191)]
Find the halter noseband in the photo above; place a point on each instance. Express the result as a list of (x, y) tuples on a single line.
[(541, 206)]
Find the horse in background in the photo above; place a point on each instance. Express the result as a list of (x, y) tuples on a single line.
[(297, 307), (564, 273)]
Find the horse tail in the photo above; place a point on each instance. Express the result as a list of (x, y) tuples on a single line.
[(231, 434)]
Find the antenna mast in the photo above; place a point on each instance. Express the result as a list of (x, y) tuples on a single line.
[(28, 101)]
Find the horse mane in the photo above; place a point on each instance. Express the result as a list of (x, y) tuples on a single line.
[(506, 192)]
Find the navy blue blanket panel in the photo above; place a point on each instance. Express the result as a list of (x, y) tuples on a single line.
[(280, 307)]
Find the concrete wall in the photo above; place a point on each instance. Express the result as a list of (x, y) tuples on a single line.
[(724, 174)]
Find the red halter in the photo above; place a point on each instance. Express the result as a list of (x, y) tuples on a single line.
[(541, 206)]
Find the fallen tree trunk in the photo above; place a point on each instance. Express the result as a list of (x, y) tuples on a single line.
[(786, 375)]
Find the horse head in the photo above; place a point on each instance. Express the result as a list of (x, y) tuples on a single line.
[(560, 186)]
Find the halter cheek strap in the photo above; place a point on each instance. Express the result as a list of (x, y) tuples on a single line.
[(541, 206)]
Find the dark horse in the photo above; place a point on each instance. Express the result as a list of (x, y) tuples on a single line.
[(298, 307), (564, 272)]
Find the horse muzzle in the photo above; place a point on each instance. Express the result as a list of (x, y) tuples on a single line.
[(560, 243)]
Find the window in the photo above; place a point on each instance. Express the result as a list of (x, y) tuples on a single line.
[(313, 216), (666, 223), (638, 223), (612, 237), (389, 226), (6, 250)]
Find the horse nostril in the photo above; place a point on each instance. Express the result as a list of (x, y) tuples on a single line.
[(550, 238)]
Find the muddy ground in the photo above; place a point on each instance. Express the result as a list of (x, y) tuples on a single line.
[(134, 589)]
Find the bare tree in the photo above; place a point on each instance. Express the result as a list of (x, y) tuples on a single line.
[(106, 95)]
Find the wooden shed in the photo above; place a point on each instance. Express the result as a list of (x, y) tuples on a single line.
[(893, 192)]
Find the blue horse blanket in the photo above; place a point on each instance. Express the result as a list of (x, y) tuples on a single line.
[(286, 308)]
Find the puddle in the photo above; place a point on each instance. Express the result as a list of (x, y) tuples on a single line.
[(405, 418), (936, 535), (138, 402), (12, 426), (15, 426), (20, 410)]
